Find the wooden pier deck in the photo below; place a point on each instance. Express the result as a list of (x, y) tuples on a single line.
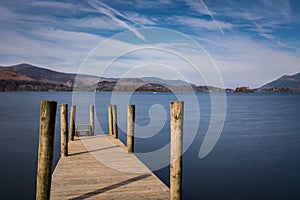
[(99, 167)]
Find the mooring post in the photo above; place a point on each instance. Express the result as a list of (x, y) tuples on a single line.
[(72, 122), (110, 119), (64, 129), (45, 152), (130, 128), (115, 124), (92, 121), (176, 150)]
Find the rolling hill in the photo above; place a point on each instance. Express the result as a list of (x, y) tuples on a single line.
[(291, 82), (7, 74), (28, 77), (42, 74)]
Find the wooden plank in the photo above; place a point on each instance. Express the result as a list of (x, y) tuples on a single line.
[(99, 167), (84, 130), (82, 124)]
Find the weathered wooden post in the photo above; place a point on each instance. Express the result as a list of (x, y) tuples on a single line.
[(110, 119), (92, 121), (130, 128), (176, 150), (45, 152), (64, 129), (72, 122), (115, 124)]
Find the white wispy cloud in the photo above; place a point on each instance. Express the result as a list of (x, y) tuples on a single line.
[(56, 49), (95, 23), (201, 7), (141, 19), (243, 61), (112, 13), (183, 56), (6, 14), (53, 4), (49, 41), (197, 6), (262, 16), (147, 4), (212, 16), (197, 23)]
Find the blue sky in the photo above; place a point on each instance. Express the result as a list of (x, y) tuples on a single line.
[(250, 42)]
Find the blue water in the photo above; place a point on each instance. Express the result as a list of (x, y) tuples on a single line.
[(256, 157)]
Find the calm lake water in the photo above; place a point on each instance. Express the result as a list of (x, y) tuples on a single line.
[(256, 157)]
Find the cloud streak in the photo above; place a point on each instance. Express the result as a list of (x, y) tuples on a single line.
[(256, 62), (56, 49), (112, 13), (196, 23), (211, 15)]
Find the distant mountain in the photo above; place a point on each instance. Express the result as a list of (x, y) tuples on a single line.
[(176, 83), (291, 82), (39, 74), (42, 74), (26, 77)]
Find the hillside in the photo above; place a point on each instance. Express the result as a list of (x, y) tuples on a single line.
[(49, 76), (42, 74), (7, 74), (291, 82)]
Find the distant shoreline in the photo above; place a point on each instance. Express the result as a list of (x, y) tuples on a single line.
[(26, 77), (156, 92)]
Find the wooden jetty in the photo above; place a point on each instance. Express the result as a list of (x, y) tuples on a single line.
[(99, 167)]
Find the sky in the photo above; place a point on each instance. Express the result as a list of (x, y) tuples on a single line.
[(247, 43)]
